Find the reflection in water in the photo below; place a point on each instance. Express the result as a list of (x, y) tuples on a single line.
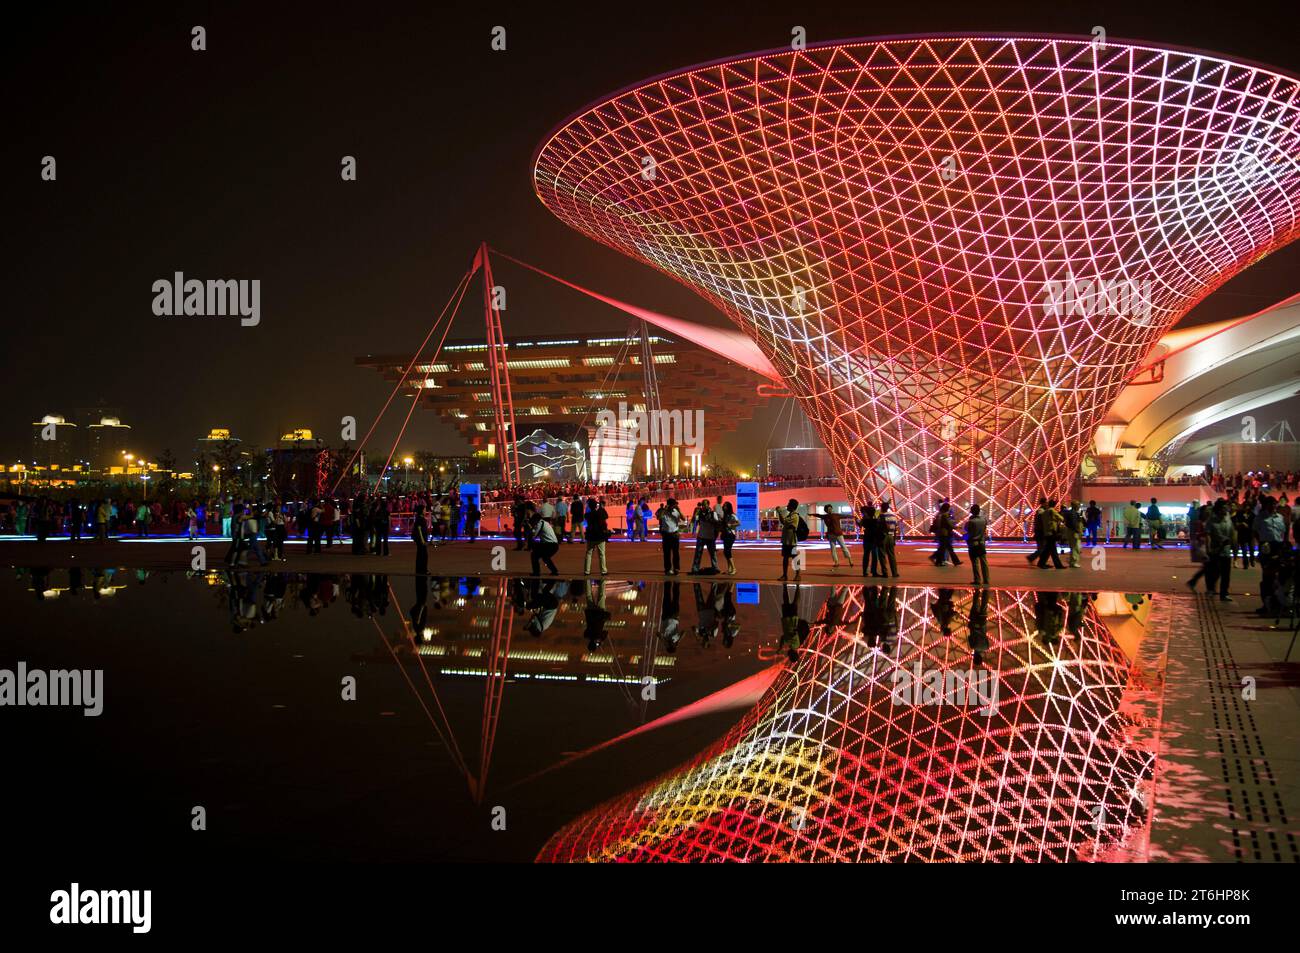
[(832, 764), (876, 722)]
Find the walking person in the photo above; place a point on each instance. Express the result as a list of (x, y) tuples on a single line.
[(1155, 524), (944, 529), (834, 531), (546, 543), (1198, 541), (670, 529), (1048, 526), (1092, 523), (596, 536), (791, 526), (977, 526), (1218, 566), (520, 520)]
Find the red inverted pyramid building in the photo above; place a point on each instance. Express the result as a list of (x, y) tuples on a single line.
[(955, 250)]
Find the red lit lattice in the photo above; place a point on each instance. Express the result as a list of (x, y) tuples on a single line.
[(828, 767), (925, 194)]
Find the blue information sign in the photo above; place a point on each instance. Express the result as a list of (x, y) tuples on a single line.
[(747, 506), (469, 493), (747, 593)]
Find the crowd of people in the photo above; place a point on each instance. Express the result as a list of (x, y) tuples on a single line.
[(539, 490), (542, 526), (1248, 524), (1256, 480)]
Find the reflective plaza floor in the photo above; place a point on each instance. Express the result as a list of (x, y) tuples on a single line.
[(359, 715)]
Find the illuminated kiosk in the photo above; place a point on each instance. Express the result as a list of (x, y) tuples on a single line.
[(850, 756), (954, 250)]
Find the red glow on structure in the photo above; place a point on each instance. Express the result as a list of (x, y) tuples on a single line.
[(887, 220), (830, 765)]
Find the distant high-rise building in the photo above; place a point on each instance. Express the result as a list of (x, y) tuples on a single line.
[(54, 441), (106, 441)]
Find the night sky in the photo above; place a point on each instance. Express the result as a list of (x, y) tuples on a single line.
[(225, 164)]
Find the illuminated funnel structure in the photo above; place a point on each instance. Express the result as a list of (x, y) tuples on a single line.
[(892, 220), (827, 766)]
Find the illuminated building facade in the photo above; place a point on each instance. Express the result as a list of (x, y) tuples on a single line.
[(561, 384), (955, 251), (545, 456)]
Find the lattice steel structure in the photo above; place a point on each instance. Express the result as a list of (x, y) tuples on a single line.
[(954, 249), (838, 762)]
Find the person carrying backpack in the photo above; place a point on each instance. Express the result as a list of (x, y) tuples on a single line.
[(1050, 526), (791, 525)]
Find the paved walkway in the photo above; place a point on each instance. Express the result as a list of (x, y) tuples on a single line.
[(1226, 712), (1111, 568)]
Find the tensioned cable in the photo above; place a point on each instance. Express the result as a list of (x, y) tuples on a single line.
[(416, 402), (398, 386)]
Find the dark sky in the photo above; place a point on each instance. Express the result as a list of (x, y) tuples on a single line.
[(226, 164)]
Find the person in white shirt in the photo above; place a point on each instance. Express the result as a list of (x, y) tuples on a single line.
[(545, 545), (670, 529)]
